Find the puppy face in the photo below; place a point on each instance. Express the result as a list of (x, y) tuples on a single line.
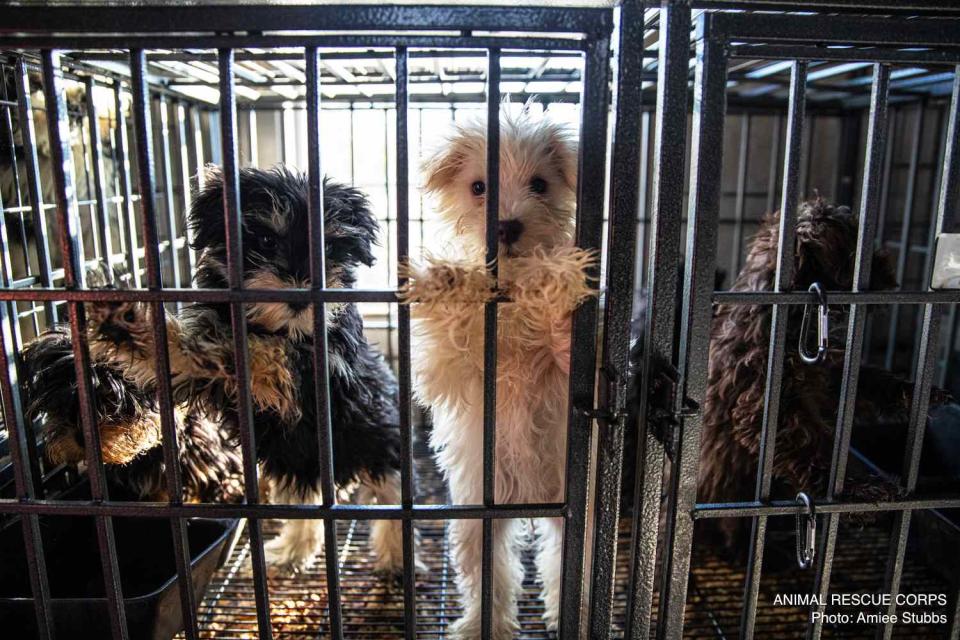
[(538, 181), (276, 247)]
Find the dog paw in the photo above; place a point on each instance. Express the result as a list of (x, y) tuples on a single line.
[(294, 549), (552, 620), (468, 627)]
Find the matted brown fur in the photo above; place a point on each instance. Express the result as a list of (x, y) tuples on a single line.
[(826, 240)]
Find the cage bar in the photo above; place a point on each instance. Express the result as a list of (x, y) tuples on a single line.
[(234, 237), (104, 243), (583, 351), (869, 200), (947, 202), (615, 372), (185, 179), (148, 219), (73, 277), (705, 159), (492, 198), (778, 338), (904, 249), (173, 234), (403, 357), (320, 353), (125, 211), (27, 478), (29, 135), (664, 253)]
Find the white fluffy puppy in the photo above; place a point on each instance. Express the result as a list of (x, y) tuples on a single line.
[(544, 277)]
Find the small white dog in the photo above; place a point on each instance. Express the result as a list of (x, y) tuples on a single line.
[(544, 277)]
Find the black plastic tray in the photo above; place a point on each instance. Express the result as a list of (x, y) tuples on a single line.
[(147, 574)]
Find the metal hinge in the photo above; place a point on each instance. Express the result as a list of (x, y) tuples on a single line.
[(665, 414), (615, 408)]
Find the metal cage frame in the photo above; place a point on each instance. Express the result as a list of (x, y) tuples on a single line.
[(590, 32)]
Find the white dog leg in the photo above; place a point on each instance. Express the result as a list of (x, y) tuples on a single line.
[(386, 536), (466, 537), (299, 540), (549, 567)]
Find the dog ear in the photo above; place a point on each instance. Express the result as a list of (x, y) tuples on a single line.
[(443, 166), (354, 226), (563, 152)]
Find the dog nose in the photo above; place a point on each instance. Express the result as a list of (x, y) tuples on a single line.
[(509, 231), (297, 307)]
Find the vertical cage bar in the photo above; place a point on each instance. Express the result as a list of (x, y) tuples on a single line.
[(906, 221), (6, 278), (234, 237), (740, 205), (709, 102), (892, 118), (143, 132), (100, 201), (948, 202), (169, 207), (847, 158), (664, 255), (778, 337), (583, 351), (320, 353), (403, 326), (28, 133), (877, 132), (621, 241), (643, 212), (185, 180), (774, 173), (490, 337), (197, 143), (25, 475), (67, 221), (125, 211)]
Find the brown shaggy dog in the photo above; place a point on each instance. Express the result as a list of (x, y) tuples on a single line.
[(826, 240)]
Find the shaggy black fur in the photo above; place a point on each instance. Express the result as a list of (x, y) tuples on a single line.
[(129, 427), (363, 391)]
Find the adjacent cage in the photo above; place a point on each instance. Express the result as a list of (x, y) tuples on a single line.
[(693, 118)]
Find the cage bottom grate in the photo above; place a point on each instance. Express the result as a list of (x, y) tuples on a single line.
[(372, 605)]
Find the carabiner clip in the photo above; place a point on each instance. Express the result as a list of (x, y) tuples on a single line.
[(806, 531), (823, 328)]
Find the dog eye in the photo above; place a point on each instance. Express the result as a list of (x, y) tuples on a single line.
[(129, 316), (478, 188), (538, 185), (267, 242)]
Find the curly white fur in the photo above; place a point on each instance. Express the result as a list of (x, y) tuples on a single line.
[(545, 280)]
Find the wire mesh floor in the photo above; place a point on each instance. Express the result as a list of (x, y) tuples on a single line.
[(372, 605)]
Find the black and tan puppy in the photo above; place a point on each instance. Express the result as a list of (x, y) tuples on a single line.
[(363, 402), (128, 422)]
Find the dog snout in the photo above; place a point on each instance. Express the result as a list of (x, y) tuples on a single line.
[(509, 231), (297, 307)]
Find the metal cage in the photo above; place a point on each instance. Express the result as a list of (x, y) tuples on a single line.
[(640, 188)]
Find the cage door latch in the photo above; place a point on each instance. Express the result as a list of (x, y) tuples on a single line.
[(613, 406), (668, 406)]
